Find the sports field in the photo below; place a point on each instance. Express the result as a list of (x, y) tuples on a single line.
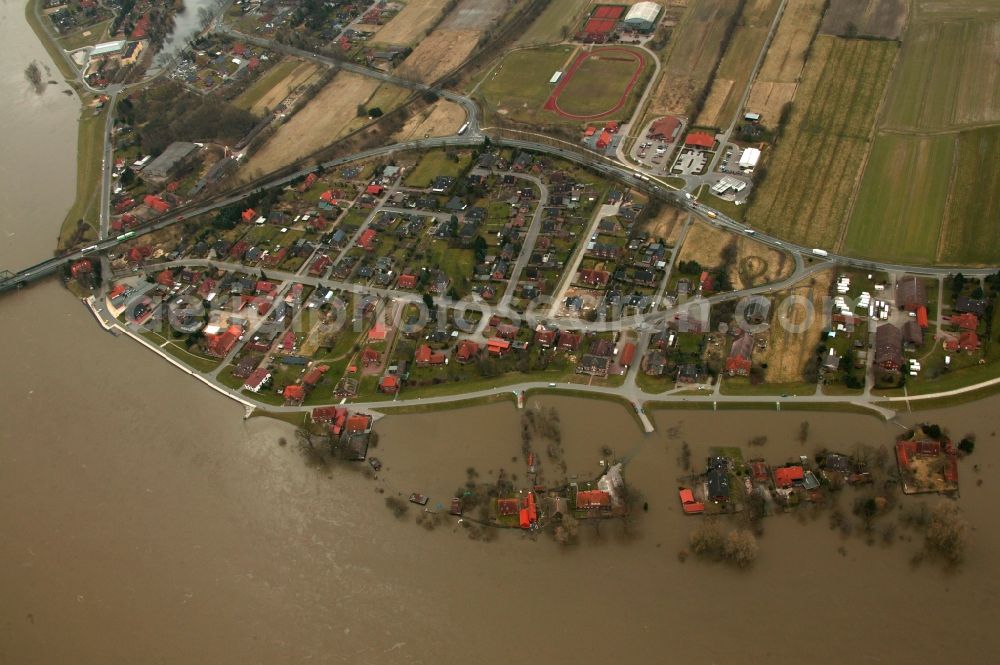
[(597, 84), (518, 88), (810, 181), (901, 204)]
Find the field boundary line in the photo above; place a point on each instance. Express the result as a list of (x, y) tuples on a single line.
[(868, 151)]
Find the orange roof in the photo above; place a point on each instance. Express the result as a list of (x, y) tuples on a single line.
[(700, 140), (592, 499), (786, 475), (294, 393)]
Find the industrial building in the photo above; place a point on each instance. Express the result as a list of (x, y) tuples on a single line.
[(176, 156), (726, 183), (642, 16), (749, 158)]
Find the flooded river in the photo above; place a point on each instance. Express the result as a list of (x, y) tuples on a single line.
[(144, 521)]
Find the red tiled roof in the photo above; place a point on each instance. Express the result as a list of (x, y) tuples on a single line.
[(665, 127), (625, 357), (294, 393), (592, 499), (785, 476), (699, 140)]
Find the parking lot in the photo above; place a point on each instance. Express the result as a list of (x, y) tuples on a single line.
[(655, 154)]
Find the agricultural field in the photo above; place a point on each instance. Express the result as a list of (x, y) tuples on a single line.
[(815, 167), (926, 196), (442, 118), (328, 116), (454, 40), (272, 88), (439, 54), (866, 18), (693, 55), (948, 76), (901, 204), (519, 87), (778, 77), (555, 23), (737, 63), (410, 24), (970, 227)]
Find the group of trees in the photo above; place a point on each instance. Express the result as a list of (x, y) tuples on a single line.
[(167, 113), (738, 547)]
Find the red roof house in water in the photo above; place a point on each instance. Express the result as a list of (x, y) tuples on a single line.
[(508, 507), (588, 499), (786, 476)]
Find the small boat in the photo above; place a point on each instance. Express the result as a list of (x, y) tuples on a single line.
[(375, 463), (456, 507), (418, 499)]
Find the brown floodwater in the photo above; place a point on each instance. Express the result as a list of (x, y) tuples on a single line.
[(144, 521)]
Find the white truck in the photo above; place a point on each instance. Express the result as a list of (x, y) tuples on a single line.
[(820, 252)]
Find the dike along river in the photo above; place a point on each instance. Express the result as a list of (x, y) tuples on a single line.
[(144, 521)]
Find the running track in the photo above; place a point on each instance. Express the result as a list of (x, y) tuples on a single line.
[(553, 102)]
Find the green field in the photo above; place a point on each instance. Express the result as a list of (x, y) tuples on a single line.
[(947, 76), (555, 23), (599, 83), (811, 177), (519, 87), (970, 228), (436, 163), (901, 205)]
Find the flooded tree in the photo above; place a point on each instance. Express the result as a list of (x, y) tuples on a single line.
[(803, 432), (34, 75), (397, 506), (945, 537), (741, 548)]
